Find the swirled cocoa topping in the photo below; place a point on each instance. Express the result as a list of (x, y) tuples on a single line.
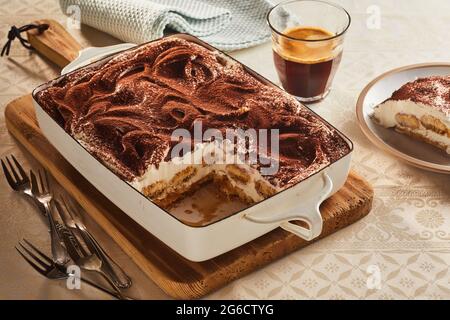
[(124, 110), (431, 91)]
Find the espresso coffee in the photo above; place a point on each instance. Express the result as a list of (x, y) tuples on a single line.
[(305, 64)]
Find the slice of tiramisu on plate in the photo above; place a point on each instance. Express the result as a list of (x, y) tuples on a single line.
[(420, 109)]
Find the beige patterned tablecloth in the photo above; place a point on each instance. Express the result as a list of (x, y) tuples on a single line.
[(401, 250)]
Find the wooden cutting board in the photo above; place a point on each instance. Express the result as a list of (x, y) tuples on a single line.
[(177, 276)]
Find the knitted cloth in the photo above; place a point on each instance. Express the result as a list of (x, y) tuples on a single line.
[(225, 24)]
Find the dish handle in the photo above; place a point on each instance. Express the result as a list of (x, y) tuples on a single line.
[(92, 54), (308, 212)]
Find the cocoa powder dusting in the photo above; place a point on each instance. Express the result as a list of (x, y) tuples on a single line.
[(125, 110)]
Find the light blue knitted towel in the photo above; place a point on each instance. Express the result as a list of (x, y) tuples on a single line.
[(225, 24)]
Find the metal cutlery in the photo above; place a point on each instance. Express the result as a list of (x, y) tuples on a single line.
[(18, 180), (42, 194), (73, 222), (65, 238), (46, 267), (87, 260)]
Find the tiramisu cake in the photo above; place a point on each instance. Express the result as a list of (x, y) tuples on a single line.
[(420, 109), (124, 111)]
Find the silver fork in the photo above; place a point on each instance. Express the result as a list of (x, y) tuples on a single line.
[(72, 221), (18, 180), (87, 260), (46, 267), (42, 193)]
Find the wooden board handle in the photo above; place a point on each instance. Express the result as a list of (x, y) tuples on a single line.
[(55, 43)]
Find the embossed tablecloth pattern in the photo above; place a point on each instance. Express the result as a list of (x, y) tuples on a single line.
[(407, 235)]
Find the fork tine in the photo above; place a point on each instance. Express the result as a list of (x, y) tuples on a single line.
[(41, 182), (16, 176), (8, 176), (19, 167), (47, 180), (87, 240), (63, 201), (36, 258), (43, 255), (81, 232), (72, 212), (34, 184), (61, 210), (35, 267)]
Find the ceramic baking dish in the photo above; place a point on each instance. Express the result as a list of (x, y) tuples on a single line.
[(299, 202)]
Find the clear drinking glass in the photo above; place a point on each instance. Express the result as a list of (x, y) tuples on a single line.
[(307, 41)]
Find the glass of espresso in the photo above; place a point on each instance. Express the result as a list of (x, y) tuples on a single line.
[(307, 41)]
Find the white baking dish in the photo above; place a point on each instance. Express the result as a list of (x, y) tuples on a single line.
[(300, 202)]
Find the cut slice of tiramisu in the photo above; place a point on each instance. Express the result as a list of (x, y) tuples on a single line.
[(420, 109)]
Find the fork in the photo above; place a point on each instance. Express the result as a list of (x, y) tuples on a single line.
[(42, 193), (46, 267), (18, 180), (87, 260), (72, 221)]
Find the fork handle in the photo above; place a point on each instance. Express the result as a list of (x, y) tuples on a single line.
[(111, 293), (121, 279), (59, 253), (111, 282)]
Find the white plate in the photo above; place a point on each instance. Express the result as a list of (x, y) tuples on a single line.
[(416, 153)]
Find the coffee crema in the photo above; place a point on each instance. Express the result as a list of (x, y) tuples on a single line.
[(306, 61)]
